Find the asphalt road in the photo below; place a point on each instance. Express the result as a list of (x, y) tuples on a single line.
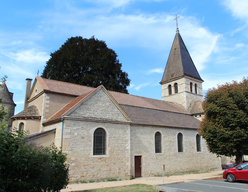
[(219, 185)]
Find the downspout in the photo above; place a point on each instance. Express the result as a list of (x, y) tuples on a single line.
[(62, 128)]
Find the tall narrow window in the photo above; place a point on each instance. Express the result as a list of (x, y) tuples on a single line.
[(21, 127), (176, 88), (191, 87), (198, 143), (158, 142), (99, 142), (195, 88), (169, 90), (180, 142)]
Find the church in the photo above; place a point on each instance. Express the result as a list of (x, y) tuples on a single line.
[(108, 134)]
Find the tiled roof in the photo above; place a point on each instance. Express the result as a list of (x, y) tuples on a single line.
[(145, 116), (63, 87), (126, 99), (179, 62), (196, 108), (31, 111), (121, 98), (140, 109)]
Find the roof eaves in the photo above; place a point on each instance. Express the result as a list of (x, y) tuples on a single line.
[(40, 134)]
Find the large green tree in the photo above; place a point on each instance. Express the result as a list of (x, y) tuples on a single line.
[(225, 125), (87, 62)]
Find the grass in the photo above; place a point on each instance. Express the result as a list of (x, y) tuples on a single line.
[(128, 188)]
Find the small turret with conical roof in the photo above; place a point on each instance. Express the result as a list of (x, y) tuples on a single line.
[(181, 82), (7, 101)]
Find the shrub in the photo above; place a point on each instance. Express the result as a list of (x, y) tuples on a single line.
[(29, 167)]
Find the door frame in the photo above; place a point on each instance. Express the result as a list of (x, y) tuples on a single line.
[(140, 164)]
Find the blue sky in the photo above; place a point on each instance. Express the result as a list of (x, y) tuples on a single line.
[(141, 32)]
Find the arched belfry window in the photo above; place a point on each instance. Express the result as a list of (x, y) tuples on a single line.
[(158, 142), (176, 88), (198, 143), (195, 88), (180, 142), (99, 142), (169, 90), (191, 88), (21, 127)]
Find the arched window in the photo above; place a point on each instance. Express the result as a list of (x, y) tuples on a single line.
[(195, 88), (158, 142), (198, 143), (21, 127), (99, 142), (191, 87), (169, 90), (176, 88), (180, 142)]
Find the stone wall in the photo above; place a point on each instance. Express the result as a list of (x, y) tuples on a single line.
[(143, 144), (99, 106), (184, 96), (84, 166)]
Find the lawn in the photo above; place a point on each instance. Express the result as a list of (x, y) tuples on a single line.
[(128, 188)]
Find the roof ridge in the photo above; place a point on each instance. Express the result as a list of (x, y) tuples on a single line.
[(66, 82)]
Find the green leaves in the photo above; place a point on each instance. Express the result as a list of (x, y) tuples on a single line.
[(28, 167), (87, 62), (225, 125)]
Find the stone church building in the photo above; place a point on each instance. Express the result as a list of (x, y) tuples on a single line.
[(107, 134)]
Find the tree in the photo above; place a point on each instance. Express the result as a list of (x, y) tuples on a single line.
[(87, 62), (225, 125), (27, 167)]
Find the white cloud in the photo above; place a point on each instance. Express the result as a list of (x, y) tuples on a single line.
[(141, 86), (130, 86), (157, 70), (220, 79), (238, 8), (28, 56), (200, 42), (119, 3), (239, 45), (16, 71)]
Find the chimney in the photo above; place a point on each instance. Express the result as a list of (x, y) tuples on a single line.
[(28, 86)]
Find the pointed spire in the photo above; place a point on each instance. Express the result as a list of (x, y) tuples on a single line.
[(179, 63), (5, 95)]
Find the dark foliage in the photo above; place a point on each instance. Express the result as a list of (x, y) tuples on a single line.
[(225, 125), (87, 62)]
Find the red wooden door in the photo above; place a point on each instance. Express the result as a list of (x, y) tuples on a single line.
[(137, 161)]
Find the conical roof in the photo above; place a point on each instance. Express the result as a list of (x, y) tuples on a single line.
[(5, 95), (179, 63)]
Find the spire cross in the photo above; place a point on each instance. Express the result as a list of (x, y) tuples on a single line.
[(176, 21)]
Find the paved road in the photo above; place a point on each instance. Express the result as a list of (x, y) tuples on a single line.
[(219, 185)]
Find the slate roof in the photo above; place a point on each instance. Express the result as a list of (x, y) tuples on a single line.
[(31, 112), (196, 108), (63, 87), (179, 63), (145, 116), (5, 95), (141, 110)]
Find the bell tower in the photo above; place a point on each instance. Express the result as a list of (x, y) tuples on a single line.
[(181, 82)]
